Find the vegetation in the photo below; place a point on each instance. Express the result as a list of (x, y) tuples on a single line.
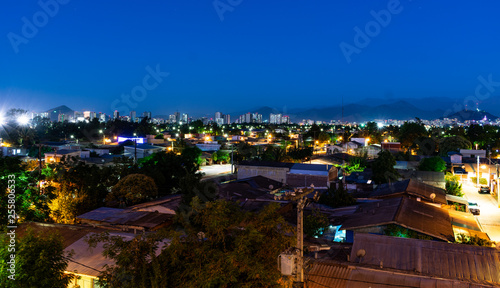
[(474, 240), (315, 224), (453, 185), (383, 168), (435, 164), (132, 189), (337, 197), (398, 231), (482, 181), (215, 252), (40, 261)]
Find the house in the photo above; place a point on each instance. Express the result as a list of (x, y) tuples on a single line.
[(393, 147), (128, 219), (292, 174), (403, 212), (410, 188), (13, 151), (469, 153), (257, 187), (332, 149), (142, 150), (85, 263), (209, 146), (59, 154), (373, 150), (455, 157)]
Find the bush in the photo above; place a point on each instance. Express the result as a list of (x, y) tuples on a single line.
[(482, 181)]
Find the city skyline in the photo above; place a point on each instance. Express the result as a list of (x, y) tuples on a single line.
[(292, 55)]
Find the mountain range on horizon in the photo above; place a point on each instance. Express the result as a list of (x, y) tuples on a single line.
[(366, 110)]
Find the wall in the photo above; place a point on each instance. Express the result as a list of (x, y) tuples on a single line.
[(275, 173)]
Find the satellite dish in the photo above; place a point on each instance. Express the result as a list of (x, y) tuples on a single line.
[(433, 195), (271, 187), (361, 253), (312, 185)]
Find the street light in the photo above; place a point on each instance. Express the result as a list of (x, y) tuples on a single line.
[(23, 119)]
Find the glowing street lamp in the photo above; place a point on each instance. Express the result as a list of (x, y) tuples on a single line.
[(23, 119)]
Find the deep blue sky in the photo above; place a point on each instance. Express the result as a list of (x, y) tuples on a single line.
[(276, 53)]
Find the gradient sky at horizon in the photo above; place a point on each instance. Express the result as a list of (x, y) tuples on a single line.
[(280, 54)]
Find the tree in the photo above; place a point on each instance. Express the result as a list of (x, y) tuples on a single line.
[(315, 224), (383, 168), (339, 197), (410, 132), (40, 261), (225, 248), (453, 143), (453, 186), (133, 189), (435, 164)]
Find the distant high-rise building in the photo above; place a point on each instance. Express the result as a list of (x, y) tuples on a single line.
[(275, 118), (133, 116), (147, 114), (116, 114), (219, 118), (256, 118), (185, 118), (171, 119), (285, 120), (177, 117), (227, 119), (102, 117), (248, 118)]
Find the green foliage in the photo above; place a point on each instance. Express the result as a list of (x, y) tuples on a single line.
[(226, 248), (482, 181), (398, 231), (383, 168), (133, 189), (337, 197), (191, 157), (435, 164), (315, 224), (453, 144), (274, 154), (474, 240), (410, 132), (40, 261), (220, 156), (453, 185), (300, 154)]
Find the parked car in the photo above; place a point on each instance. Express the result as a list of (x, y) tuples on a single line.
[(484, 190), (474, 208)]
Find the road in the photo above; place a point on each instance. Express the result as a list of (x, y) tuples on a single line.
[(490, 213), (215, 170)]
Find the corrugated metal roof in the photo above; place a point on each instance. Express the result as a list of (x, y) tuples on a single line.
[(410, 187), (409, 213), (433, 258), (324, 274)]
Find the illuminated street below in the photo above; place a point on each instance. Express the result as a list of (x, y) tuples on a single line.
[(490, 213)]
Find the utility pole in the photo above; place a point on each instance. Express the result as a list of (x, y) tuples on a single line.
[(477, 170), (232, 163), (135, 150), (302, 201)]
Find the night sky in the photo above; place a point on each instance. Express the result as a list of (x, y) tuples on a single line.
[(86, 54)]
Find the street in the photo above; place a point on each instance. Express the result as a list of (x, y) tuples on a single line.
[(215, 170), (490, 213)]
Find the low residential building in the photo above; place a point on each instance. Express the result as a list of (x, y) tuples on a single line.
[(59, 154), (410, 188), (469, 153), (402, 212), (142, 150), (292, 174)]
